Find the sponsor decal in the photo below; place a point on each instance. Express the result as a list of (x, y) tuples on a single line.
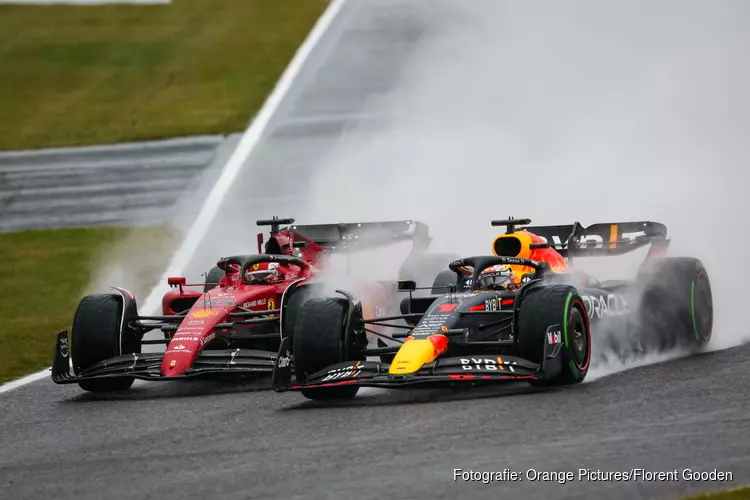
[(64, 349), (486, 364), (468, 283), (169, 351), (283, 361), (554, 337), (227, 296), (431, 324), (182, 338), (463, 295), (190, 328), (223, 302), (597, 240), (179, 347), (600, 306), (526, 278), (208, 338), (203, 313), (271, 304), (254, 303), (337, 373), (256, 267), (194, 322), (491, 304)]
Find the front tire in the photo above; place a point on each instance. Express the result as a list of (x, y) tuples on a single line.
[(292, 310), (97, 335), (544, 306), (319, 343)]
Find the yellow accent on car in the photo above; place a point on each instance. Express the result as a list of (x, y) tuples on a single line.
[(613, 236), (412, 355)]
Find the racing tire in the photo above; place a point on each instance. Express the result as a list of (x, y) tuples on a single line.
[(213, 276), (676, 304), (544, 306), (319, 343), (291, 313), (442, 281), (96, 335), (421, 267)]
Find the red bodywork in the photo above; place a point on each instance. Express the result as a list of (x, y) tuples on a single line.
[(199, 328)]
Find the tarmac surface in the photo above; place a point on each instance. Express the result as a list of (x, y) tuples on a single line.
[(204, 440)]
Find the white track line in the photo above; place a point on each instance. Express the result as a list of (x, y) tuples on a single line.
[(247, 144), (15, 384)]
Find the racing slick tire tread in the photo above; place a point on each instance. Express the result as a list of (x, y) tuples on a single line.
[(95, 336), (676, 305), (561, 305), (319, 342)]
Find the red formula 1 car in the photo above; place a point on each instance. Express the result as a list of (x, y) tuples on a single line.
[(232, 326)]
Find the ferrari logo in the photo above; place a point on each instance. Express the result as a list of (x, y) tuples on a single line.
[(205, 313), (256, 266)]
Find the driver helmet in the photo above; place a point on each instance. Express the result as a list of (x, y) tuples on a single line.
[(266, 271), (496, 278)]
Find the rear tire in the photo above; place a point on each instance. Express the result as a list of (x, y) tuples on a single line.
[(543, 307), (96, 336), (676, 306), (319, 343), (421, 267), (441, 283), (213, 276)]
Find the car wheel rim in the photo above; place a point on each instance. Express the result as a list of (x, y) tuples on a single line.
[(577, 327), (701, 307)]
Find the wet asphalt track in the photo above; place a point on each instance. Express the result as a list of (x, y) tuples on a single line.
[(182, 440), (204, 440)]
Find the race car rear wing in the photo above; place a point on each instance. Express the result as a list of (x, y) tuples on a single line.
[(363, 235), (601, 239)]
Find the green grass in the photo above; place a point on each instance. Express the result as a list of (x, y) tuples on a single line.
[(742, 493), (72, 75), (45, 274)]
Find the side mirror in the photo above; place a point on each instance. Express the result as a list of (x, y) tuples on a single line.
[(407, 285), (176, 281)]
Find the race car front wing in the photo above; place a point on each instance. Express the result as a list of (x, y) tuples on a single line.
[(147, 366), (458, 370)]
